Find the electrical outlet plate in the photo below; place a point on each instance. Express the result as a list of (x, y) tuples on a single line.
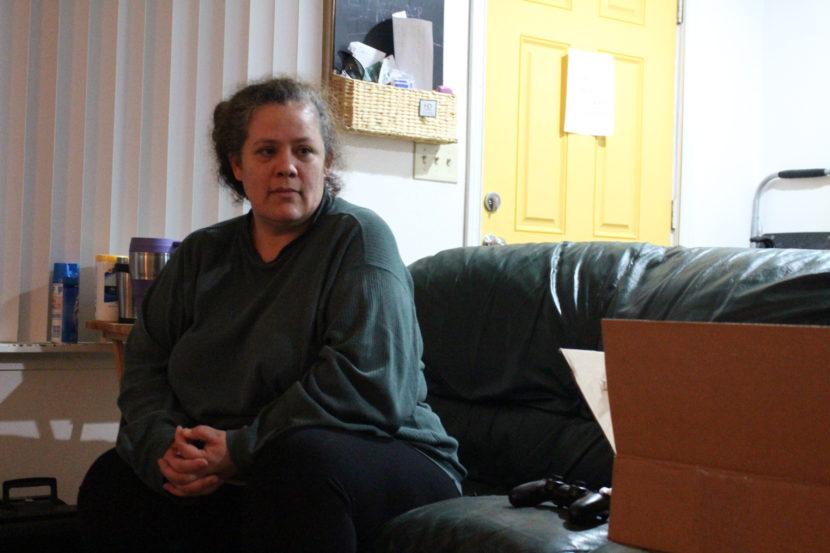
[(438, 162)]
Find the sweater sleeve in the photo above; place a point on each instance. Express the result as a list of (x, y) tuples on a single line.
[(367, 374), (149, 409)]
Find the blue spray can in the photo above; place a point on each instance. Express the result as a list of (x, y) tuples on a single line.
[(63, 304)]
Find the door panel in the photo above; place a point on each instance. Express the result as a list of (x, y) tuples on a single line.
[(542, 169), (619, 170), (629, 11), (561, 186)]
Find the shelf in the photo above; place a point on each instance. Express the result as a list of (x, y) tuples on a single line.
[(46, 356), (49, 347)]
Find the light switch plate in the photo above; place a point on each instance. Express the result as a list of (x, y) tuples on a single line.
[(438, 162)]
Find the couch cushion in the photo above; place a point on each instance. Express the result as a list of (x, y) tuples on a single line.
[(487, 524), (491, 329), (506, 442)]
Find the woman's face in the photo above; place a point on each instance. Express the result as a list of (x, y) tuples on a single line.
[(283, 166)]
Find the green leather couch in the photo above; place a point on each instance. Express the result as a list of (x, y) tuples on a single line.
[(493, 320)]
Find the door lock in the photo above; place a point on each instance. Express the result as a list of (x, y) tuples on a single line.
[(492, 202)]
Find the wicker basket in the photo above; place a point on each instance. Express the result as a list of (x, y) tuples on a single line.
[(383, 110)]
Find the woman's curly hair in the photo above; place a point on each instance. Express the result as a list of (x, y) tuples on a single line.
[(231, 118)]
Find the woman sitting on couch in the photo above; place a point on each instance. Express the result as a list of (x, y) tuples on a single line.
[(273, 395)]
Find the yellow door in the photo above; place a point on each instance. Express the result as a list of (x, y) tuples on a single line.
[(555, 185)]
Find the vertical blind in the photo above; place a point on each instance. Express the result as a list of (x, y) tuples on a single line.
[(105, 113)]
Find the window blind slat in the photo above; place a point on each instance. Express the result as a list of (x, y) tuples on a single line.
[(14, 41), (39, 159)]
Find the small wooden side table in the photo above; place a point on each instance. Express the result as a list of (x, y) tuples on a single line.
[(118, 333)]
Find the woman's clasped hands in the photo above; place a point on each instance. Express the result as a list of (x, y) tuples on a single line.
[(197, 462)]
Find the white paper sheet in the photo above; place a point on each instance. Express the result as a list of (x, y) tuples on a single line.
[(589, 370), (413, 49), (365, 54), (589, 96)]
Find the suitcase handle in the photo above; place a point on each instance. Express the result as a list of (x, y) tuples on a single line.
[(802, 173), (755, 228), (36, 482)]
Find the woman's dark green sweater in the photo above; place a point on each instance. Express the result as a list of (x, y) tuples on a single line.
[(324, 335)]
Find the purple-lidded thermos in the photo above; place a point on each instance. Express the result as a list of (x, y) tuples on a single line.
[(148, 256)]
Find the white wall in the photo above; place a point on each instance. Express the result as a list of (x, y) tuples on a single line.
[(425, 216), (57, 413), (755, 103)]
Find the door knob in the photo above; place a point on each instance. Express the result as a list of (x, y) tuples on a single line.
[(492, 202), (492, 240)]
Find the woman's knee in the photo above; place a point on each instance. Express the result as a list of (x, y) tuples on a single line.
[(106, 484), (100, 477)]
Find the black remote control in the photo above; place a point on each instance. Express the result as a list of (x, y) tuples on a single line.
[(583, 506)]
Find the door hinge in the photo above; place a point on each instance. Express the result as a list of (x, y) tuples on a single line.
[(680, 9)]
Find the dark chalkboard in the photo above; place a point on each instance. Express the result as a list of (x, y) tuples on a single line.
[(370, 22)]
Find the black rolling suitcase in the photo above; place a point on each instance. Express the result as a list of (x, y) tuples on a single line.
[(800, 240), (41, 523)]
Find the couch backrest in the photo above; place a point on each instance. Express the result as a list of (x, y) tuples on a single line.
[(487, 319), (782, 286), (493, 320)]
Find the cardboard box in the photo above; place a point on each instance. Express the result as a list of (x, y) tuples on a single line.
[(722, 435)]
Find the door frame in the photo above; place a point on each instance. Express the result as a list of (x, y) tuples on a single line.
[(475, 120), (477, 64)]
